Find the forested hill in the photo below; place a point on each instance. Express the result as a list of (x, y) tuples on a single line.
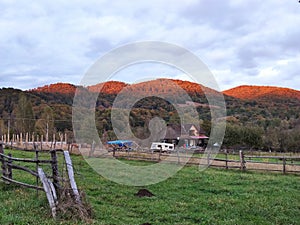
[(263, 93), (272, 114)]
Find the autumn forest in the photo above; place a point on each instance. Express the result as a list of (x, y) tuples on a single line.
[(262, 118)]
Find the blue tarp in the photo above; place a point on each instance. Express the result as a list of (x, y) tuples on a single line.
[(120, 143)]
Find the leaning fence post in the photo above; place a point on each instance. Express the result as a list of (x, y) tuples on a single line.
[(71, 176), (242, 160), (54, 166), (50, 192)]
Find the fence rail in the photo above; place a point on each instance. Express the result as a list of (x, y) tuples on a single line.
[(51, 182), (284, 163)]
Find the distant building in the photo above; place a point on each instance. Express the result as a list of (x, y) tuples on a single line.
[(186, 135)]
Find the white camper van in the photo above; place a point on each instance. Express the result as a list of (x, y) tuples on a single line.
[(164, 147)]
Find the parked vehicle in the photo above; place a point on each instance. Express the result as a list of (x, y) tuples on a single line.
[(160, 146)]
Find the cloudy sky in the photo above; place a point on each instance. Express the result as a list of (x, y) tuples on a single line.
[(241, 41)]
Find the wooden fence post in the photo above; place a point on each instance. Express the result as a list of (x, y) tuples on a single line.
[(37, 170), (242, 160), (61, 137), (178, 157), (284, 165), (54, 166), (71, 176), (42, 139), (66, 138), (91, 153), (9, 166), (26, 140), (114, 151), (226, 156), (50, 192), (3, 162), (208, 158), (160, 151)]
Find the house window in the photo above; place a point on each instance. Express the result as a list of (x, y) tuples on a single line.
[(192, 132)]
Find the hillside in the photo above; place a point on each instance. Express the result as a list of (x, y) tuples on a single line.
[(262, 93), (271, 113), (173, 87), (109, 87), (61, 88)]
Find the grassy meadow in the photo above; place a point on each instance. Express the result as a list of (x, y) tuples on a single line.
[(214, 196)]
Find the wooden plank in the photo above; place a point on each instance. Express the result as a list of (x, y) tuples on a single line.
[(18, 167), (71, 176), (32, 150), (272, 157), (49, 191), (26, 160), (53, 190)]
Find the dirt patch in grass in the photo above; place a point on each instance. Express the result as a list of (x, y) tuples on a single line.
[(144, 193)]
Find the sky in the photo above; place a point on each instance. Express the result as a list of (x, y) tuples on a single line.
[(242, 42)]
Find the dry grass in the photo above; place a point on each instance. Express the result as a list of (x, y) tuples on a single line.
[(69, 208)]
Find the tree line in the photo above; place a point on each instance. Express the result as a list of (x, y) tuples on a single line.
[(269, 125)]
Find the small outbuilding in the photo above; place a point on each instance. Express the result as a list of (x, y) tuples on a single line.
[(186, 135)]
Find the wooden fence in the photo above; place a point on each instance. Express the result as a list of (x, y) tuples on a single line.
[(34, 141), (51, 183), (281, 163)]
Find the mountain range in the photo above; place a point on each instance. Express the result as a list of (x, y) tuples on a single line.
[(244, 92), (273, 113), (262, 92)]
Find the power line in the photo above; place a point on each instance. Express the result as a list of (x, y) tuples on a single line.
[(31, 119)]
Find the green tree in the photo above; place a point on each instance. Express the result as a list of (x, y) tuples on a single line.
[(45, 125), (252, 137), (233, 136), (2, 127), (25, 121)]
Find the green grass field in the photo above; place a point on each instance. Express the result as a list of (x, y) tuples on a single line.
[(214, 196)]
